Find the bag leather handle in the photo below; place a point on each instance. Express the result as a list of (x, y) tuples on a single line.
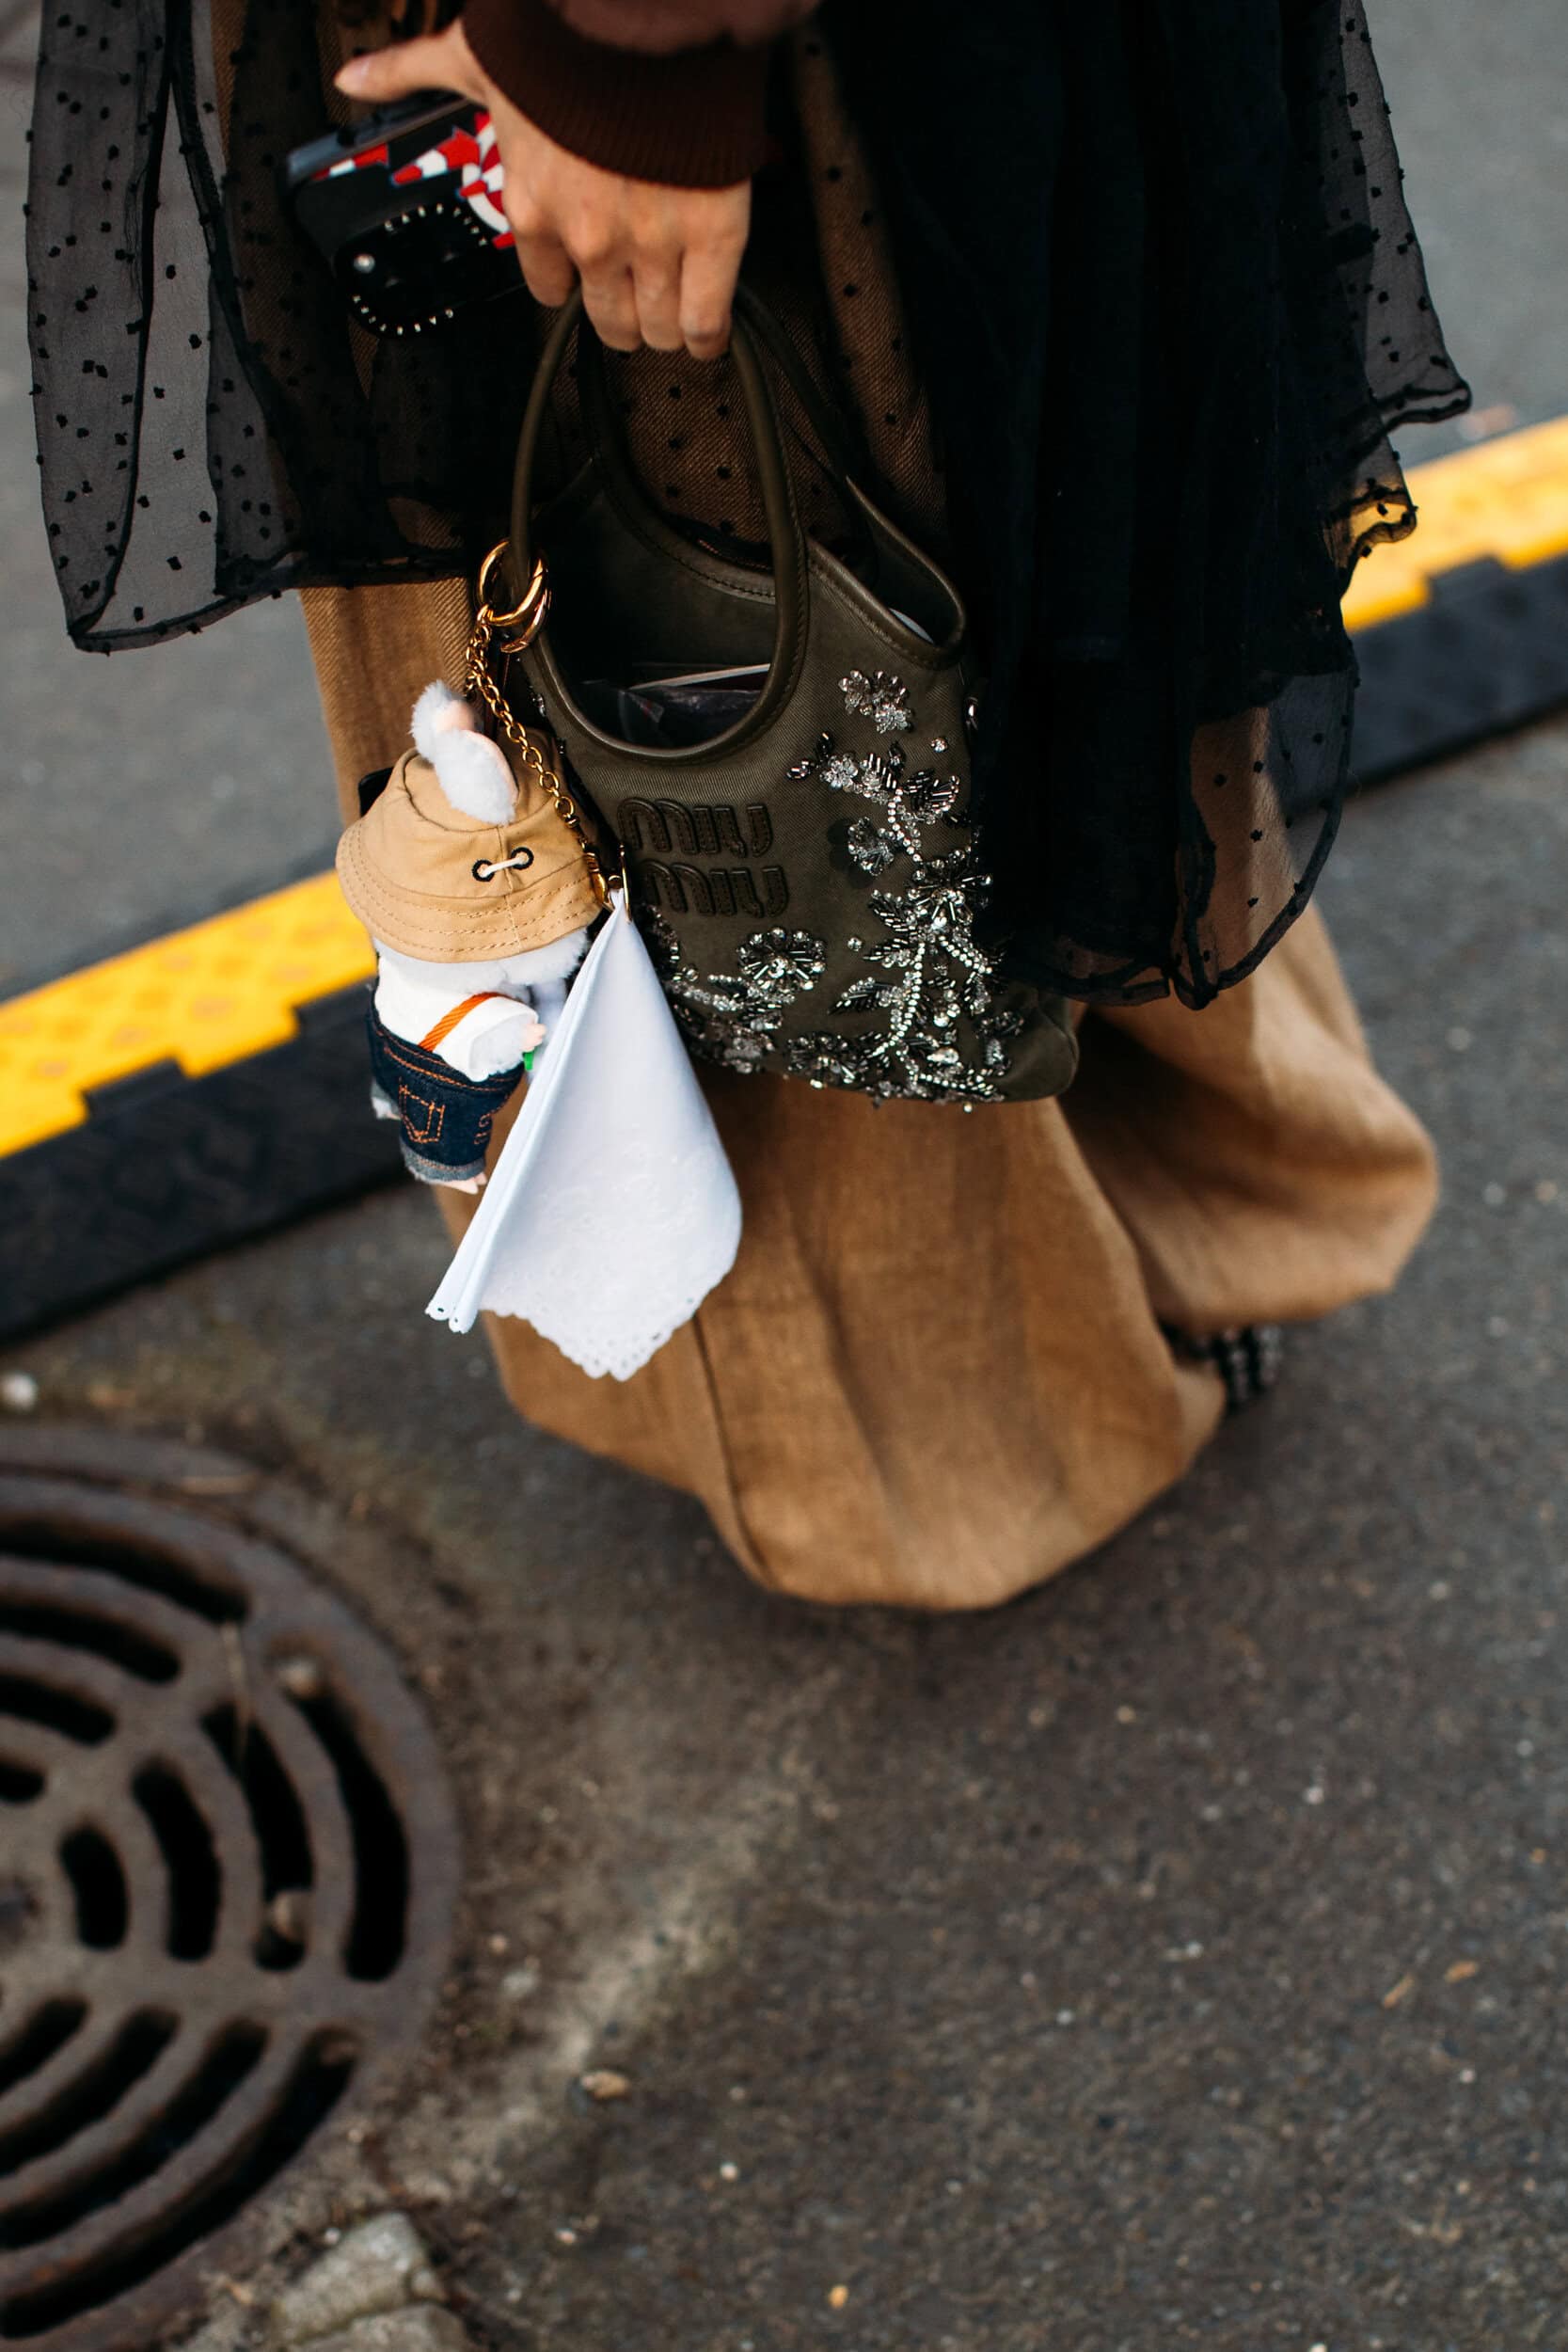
[(787, 537)]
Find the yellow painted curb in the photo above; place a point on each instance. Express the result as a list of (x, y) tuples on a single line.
[(214, 994), (1506, 498)]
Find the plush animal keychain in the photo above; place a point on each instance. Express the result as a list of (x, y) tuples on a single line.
[(478, 900), (611, 1210)]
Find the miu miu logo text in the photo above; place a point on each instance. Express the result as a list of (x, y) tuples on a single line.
[(653, 828)]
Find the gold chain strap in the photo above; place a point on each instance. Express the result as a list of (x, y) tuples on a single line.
[(510, 632)]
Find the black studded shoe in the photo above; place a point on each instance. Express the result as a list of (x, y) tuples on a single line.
[(1248, 1358)]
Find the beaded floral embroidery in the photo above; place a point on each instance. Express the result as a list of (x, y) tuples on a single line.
[(733, 1018), (928, 971), (928, 976), (883, 700)]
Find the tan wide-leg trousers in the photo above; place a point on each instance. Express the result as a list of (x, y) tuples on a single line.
[(936, 1375)]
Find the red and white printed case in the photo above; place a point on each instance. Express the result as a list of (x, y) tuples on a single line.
[(406, 211)]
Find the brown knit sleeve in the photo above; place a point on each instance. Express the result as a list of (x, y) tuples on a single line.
[(667, 90)]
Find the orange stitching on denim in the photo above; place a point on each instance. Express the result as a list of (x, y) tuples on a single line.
[(386, 1045), (435, 1115)]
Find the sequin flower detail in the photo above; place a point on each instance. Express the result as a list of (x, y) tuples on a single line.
[(734, 1018), (913, 1009), (883, 699), (908, 800), (780, 964), (935, 1030)]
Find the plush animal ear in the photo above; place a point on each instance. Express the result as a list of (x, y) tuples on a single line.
[(471, 770), (437, 708)]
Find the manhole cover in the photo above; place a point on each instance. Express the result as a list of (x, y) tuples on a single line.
[(228, 1873)]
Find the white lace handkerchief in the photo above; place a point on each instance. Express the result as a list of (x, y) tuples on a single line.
[(613, 1210)]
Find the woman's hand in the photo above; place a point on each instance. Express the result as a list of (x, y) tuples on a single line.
[(658, 266)]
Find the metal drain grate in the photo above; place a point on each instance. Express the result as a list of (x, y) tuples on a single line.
[(227, 1874)]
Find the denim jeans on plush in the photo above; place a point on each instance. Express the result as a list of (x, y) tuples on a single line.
[(444, 1118)]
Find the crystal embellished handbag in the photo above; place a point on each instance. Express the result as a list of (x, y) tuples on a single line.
[(808, 877)]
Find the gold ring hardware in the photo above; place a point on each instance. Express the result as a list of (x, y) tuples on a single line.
[(521, 625)]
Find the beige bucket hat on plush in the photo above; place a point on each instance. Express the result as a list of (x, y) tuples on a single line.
[(431, 881)]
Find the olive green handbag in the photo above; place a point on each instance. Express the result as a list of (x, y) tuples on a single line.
[(809, 879)]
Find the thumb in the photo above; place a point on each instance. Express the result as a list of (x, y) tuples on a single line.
[(436, 61)]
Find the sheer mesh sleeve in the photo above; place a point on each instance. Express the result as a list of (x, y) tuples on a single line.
[(210, 428)]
